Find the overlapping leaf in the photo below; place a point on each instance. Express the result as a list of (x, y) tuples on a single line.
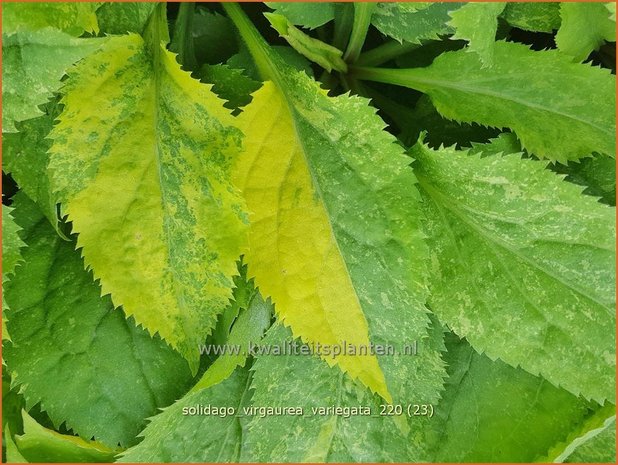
[(310, 15), (11, 256), (182, 434), (414, 22), (141, 160), (74, 18), (558, 109), (42, 445), (477, 23), (317, 437), (323, 183), (71, 351), (585, 27), (229, 83), (533, 16), (33, 63), (327, 56), (122, 18), (24, 156), (492, 412), (593, 441), (523, 265)]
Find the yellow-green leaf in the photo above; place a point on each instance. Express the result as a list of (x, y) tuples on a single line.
[(141, 161), (335, 237), (42, 445)]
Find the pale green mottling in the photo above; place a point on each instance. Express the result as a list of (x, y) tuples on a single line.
[(122, 18)]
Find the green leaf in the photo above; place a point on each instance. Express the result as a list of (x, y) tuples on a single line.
[(612, 10), (309, 15), (33, 65), (597, 174), (523, 265), (593, 441), (73, 352), (492, 412), (41, 445), (244, 291), (598, 446), (182, 433), (11, 243), (585, 27), (306, 381), (12, 453), (558, 109), (412, 22), (215, 38), (172, 238), (243, 60), (230, 84), (477, 23), (327, 56), (11, 256), (12, 404), (24, 156), (533, 16), (321, 178), (74, 18), (246, 331), (504, 143), (123, 18)]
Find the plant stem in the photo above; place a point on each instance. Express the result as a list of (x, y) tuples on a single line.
[(182, 42), (344, 18), (255, 42), (385, 52), (398, 77), (362, 20), (156, 30)]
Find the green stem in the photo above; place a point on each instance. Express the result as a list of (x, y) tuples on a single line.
[(344, 19), (255, 42), (398, 77), (182, 42), (385, 52), (156, 30), (362, 20)]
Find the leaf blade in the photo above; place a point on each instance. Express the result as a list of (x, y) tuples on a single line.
[(176, 234), (511, 223)]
